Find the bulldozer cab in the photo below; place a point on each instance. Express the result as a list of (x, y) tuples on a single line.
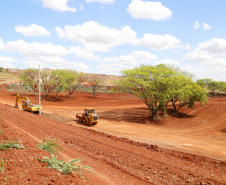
[(26, 104), (89, 111)]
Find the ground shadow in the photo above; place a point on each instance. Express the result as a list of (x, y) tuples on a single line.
[(139, 115), (83, 124), (178, 114)]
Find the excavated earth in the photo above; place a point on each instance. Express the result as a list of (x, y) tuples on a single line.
[(125, 147)]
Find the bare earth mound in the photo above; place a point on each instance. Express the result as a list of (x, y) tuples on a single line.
[(115, 160)]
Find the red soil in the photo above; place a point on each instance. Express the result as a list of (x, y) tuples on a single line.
[(146, 157)]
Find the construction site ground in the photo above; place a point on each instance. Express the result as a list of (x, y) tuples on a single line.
[(125, 147)]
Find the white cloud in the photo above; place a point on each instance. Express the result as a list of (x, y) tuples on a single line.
[(45, 61), (210, 59), (159, 42), (197, 25), (81, 7), (6, 62), (215, 47), (197, 56), (134, 58), (82, 52), (55, 63), (148, 10), (211, 53), (96, 37), (57, 5), (144, 56), (36, 49), (124, 60), (101, 1), (78, 66), (110, 69), (32, 30), (168, 61), (206, 26), (2, 45)]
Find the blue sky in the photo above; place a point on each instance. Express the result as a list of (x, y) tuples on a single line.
[(106, 36)]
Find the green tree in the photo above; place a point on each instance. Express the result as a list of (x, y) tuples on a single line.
[(204, 82), (59, 79), (73, 80), (30, 77), (1, 69), (212, 86), (48, 82), (95, 82), (158, 85), (222, 86)]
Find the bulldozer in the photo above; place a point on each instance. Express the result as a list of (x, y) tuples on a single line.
[(88, 117), (26, 105)]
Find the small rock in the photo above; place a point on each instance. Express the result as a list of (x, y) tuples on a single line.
[(154, 172), (152, 147), (148, 178)]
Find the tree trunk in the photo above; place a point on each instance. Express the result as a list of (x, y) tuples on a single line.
[(174, 106), (56, 95), (94, 93)]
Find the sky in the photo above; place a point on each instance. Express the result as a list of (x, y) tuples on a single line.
[(107, 36)]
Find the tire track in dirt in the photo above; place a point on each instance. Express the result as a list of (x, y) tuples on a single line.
[(130, 161), (33, 126)]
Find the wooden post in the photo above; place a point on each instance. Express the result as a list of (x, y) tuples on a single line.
[(40, 111)]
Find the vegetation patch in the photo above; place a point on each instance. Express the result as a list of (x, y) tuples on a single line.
[(5, 145), (49, 146), (65, 167)]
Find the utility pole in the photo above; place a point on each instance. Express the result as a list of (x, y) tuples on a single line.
[(40, 111)]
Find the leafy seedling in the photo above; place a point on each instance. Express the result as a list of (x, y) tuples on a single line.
[(49, 146)]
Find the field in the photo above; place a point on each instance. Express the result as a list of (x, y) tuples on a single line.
[(9, 77), (125, 147)]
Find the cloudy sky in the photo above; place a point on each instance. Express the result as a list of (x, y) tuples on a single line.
[(106, 36)]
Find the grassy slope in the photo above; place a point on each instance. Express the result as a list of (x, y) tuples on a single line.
[(8, 77)]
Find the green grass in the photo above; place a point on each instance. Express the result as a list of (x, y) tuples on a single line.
[(9, 75), (66, 168), (1, 131), (5, 145), (50, 146), (1, 167)]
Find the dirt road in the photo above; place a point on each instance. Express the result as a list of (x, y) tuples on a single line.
[(122, 161)]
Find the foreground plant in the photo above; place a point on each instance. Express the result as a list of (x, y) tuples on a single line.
[(1, 167), (66, 168), (10, 144), (1, 131), (49, 146)]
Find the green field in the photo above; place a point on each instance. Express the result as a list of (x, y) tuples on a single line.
[(9, 77)]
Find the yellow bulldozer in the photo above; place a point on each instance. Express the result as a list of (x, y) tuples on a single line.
[(26, 105), (88, 117)]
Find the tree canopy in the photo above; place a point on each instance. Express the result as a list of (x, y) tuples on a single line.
[(58, 80), (29, 77), (158, 85), (212, 86)]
